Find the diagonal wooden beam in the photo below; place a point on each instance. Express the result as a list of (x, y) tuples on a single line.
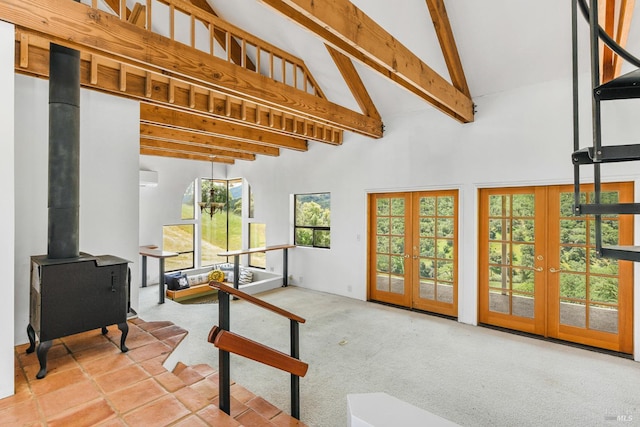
[(606, 14), (622, 31), (164, 133), (92, 31), (153, 114), (448, 45), (354, 82), (349, 30)]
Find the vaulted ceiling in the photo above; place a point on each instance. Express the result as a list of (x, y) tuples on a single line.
[(233, 80)]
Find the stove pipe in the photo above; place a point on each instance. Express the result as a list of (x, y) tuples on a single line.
[(64, 153)]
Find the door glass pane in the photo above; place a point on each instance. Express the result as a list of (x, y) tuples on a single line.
[(573, 258), (522, 280), (522, 305), (445, 227), (397, 226), (445, 293), (603, 318), (397, 285), (523, 255), (383, 244), (523, 230), (383, 282), (445, 206), (523, 205), (573, 286), (427, 227), (383, 207), (397, 207), (397, 245), (427, 289), (603, 289), (383, 225), (499, 253), (499, 301), (499, 205), (427, 206), (573, 231), (427, 248), (445, 249), (573, 313)]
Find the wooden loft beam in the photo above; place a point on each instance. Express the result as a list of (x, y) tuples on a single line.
[(153, 114), (349, 30), (448, 45), (96, 32), (107, 75), (165, 133), (354, 82)]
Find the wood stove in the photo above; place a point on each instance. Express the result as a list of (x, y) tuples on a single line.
[(69, 296), (71, 292)]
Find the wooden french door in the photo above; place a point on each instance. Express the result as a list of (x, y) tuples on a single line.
[(413, 250), (538, 268)]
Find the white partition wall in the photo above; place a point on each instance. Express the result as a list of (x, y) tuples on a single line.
[(7, 213)]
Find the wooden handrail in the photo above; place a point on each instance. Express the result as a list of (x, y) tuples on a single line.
[(254, 250), (233, 343), (260, 303)]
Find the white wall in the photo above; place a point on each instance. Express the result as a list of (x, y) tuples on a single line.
[(109, 157), (7, 214), (521, 137)]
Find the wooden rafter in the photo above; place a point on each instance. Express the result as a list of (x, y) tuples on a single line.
[(354, 82), (183, 155), (448, 45), (349, 30), (97, 32), (180, 146), (153, 114), (170, 134)]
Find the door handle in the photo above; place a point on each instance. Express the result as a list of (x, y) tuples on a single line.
[(538, 268), (407, 255), (553, 270)]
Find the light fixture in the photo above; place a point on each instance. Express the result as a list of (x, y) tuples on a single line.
[(210, 206)]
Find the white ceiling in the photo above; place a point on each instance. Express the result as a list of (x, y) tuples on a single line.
[(503, 44)]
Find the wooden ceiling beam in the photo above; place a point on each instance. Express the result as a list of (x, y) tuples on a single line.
[(153, 114), (349, 30), (164, 133), (90, 30), (448, 45), (184, 155), (180, 146)]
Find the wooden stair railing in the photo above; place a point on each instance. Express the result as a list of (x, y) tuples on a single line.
[(237, 344), (228, 342)]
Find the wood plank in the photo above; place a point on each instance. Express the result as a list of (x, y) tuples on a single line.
[(69, 24), (163, 133), (256, 301), (354, 82), (351, 31), (237, 344), (448, 45), (153, 114), (180, 146), (181, 155)]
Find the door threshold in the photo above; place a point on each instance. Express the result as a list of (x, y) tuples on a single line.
[(558, 341), (415, 310)]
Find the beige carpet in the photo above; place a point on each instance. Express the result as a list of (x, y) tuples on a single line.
[(470, 375)]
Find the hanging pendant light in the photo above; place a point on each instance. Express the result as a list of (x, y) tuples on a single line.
[(210, 206)]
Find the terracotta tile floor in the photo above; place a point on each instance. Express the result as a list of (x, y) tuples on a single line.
[(90, 382)]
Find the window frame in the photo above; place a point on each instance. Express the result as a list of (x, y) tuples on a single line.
[(313, 228)]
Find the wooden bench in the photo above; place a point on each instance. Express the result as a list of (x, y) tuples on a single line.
[(191, 292)]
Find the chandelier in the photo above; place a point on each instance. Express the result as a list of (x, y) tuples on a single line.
[(210, 207)]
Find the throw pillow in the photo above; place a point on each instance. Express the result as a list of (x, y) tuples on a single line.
[(246, 276), (178, 283), (216, 276), (170, 276)]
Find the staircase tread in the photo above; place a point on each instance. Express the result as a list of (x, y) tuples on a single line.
[(626, 86), (608, 154)]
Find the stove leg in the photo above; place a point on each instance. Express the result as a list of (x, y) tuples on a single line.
[(124, 328), (43, 349), (32, 339)]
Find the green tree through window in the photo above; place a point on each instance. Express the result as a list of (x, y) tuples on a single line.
[(313, 220)]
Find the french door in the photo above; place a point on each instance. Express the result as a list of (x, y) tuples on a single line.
[(538, 271), (413, 250)]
